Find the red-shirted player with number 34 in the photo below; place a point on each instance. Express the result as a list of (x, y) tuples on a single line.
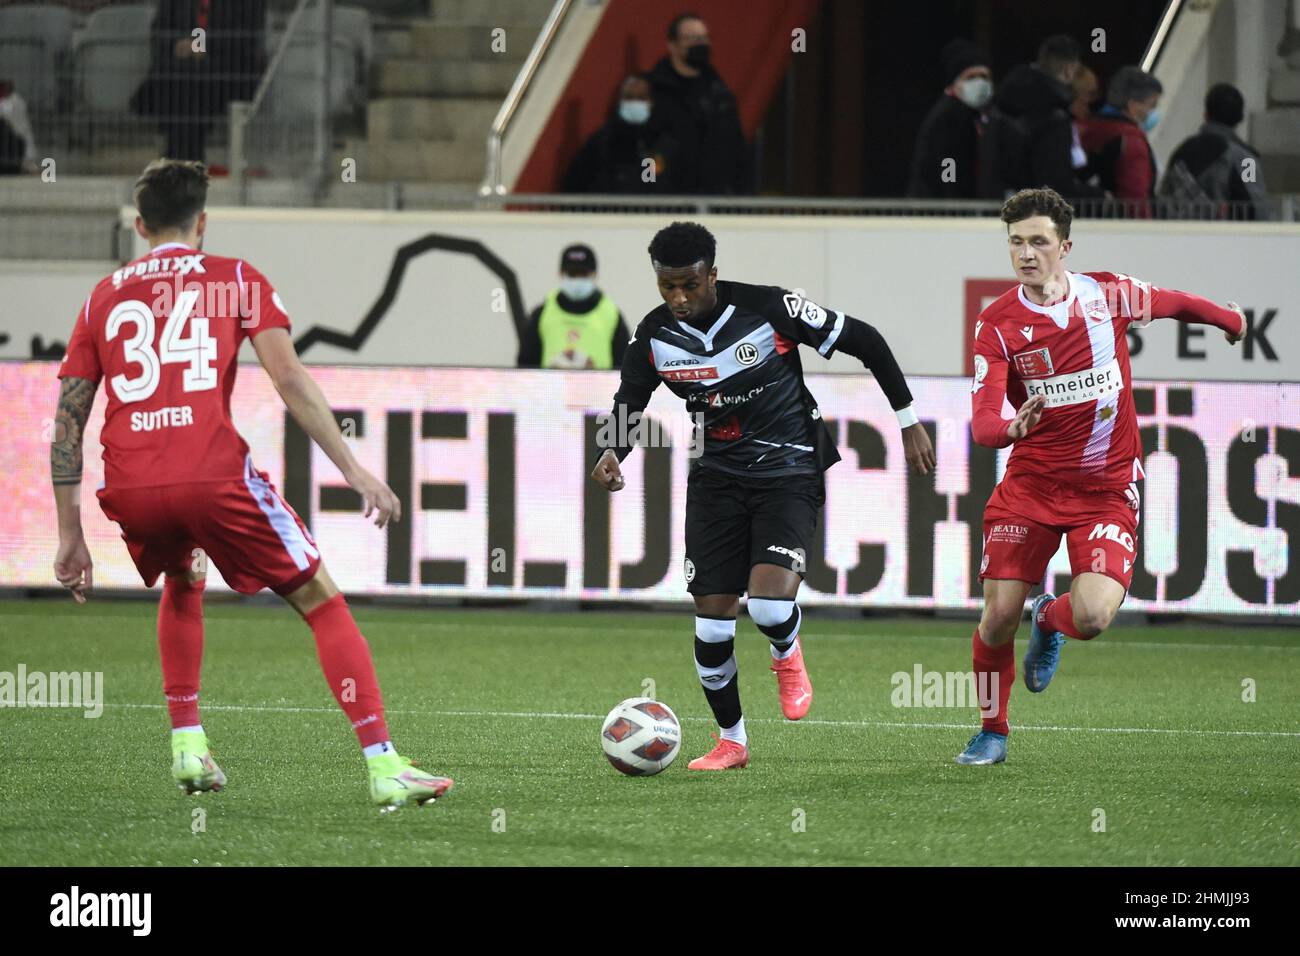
[(1055, 346), (165, 331)]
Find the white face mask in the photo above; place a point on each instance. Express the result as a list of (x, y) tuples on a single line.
[(635, 112), (577, 288), (975, 92)]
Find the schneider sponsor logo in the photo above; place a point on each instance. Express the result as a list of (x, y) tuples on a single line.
[(1077, 387)]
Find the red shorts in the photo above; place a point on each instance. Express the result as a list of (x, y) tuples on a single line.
[(1026, 516), (243, 526)]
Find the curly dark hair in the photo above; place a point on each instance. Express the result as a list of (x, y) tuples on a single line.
[(171, 193), (1040, 202), (683, 244)]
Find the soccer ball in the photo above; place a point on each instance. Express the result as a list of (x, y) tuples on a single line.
[(641, 736)]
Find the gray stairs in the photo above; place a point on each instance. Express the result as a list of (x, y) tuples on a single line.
[(436, 91)]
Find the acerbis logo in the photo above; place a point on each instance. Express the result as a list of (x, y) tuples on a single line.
[(685, 361), (689, 568), (746, 353)]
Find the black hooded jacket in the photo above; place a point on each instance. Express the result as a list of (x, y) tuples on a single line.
[(1028, 139), (700, 117)]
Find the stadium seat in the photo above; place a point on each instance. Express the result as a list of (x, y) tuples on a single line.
[(34, 41), (111, 56), (295, 88)]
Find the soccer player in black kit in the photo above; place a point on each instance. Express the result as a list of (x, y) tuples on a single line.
[(731, 350)]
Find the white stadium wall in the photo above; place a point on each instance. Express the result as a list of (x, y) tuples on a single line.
[(454, 296), (492, 468)]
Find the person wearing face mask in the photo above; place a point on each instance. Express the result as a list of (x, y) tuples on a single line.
[(1028, 138), (614, 159), (696, 110), (951, 130), (578, 326), (1116, 138)]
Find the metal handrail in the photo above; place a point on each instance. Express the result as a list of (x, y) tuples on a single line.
[(523, 80), (1156, 45), (242, 113)]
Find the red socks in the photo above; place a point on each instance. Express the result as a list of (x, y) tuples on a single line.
[(345, 659), (1059, 616), (180, 646), (995, 671)]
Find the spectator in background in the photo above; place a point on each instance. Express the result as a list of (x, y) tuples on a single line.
[(190, 83), (945, 159), (17, 141), (578, 326), (1116, 138), (614, 159), (1214, 165), (696, 110), (1086, 89), (1027, 139)]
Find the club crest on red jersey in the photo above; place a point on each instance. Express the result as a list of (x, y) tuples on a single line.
[(1035, 364)]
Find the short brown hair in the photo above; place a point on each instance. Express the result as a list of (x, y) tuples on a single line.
[(1039, 202), (171, 193)]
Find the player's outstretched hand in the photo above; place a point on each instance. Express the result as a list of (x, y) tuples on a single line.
[(1234, 339), (73, 568), (918, 449), (1027, 417), (607, 472), (378, 497)]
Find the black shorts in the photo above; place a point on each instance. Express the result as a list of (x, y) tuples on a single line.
[(734, 523)]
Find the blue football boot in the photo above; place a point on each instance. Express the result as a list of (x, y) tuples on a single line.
[(984, 748), (1044, 651)]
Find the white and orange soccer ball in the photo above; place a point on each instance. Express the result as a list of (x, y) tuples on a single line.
[(641, 736)]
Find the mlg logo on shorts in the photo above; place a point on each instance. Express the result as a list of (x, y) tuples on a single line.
[(75, 909)]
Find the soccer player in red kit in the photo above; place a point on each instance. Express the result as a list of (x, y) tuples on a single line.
[(1055, 346), (165, 332)]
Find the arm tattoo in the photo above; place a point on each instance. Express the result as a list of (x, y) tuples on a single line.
[(75, 399)]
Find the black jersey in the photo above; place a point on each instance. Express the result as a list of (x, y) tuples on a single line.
[(738, 370)]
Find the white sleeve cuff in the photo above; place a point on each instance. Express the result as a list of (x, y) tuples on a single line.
[(907, 416)]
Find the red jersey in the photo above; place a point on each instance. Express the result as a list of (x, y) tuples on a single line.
[(165, 330), (1074, 353)]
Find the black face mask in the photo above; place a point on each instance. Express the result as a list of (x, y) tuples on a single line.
[(698, 56)]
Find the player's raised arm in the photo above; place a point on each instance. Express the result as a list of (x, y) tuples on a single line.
[(307, 404), (1142, 302), (637, 383), (72, 564), (830, 331)]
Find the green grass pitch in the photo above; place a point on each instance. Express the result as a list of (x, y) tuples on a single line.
[(1146, 725)]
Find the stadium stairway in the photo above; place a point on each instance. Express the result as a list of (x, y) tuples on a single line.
[(437, 86), (1275, 131)]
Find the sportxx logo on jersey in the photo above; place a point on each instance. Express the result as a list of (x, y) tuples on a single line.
[(171, 265), (1034, 364), (746, 353), (1112, 532), (1075, 387)]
